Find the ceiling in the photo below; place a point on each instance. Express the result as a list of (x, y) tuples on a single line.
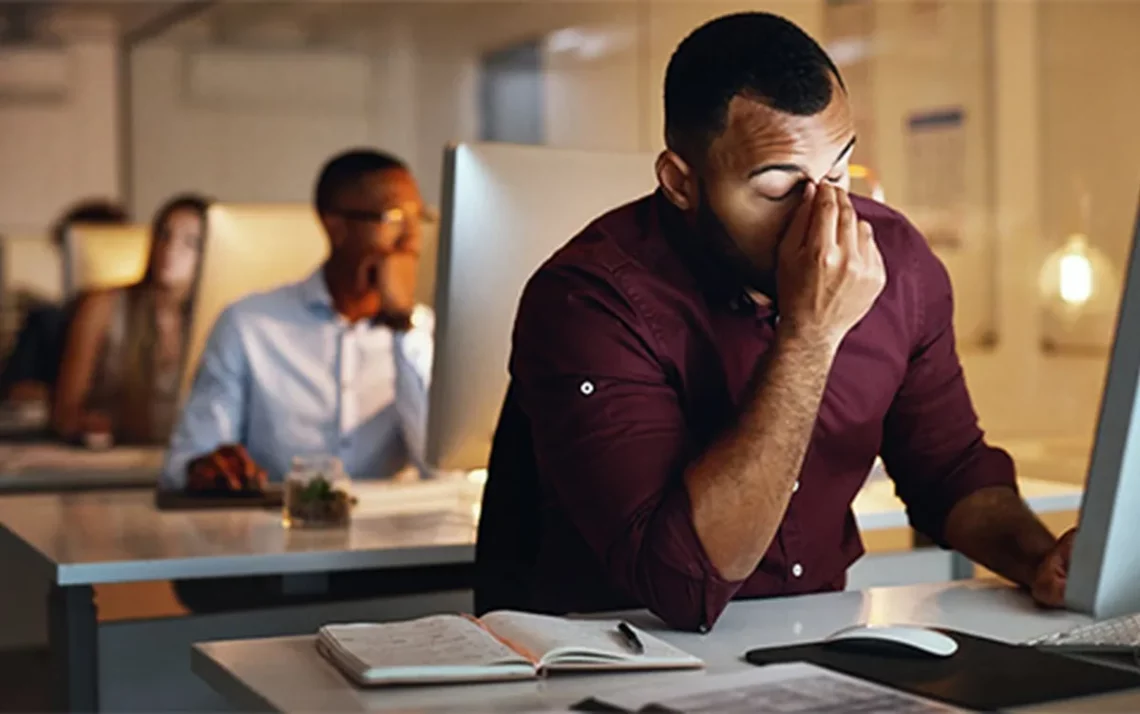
[(39, 21)]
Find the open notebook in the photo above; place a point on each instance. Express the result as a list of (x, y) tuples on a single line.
[(501, 645)]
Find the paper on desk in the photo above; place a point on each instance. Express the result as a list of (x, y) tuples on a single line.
[(795, 688)]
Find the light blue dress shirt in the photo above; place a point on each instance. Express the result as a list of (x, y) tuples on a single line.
[(285, 375)]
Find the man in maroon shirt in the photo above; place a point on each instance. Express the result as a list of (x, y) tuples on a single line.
[(701, 380)]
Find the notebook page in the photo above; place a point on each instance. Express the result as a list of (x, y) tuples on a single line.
[(796, 688), (429, 642), (565, 643)]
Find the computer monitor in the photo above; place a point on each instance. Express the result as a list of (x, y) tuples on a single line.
[(1104, 576), (250, 249), (505, 210), (98, 257)]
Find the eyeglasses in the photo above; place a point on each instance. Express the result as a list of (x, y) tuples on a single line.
[(392, 217)]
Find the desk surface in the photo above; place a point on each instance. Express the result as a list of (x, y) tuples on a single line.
[(287, 675), (119, 536), (43, 466)]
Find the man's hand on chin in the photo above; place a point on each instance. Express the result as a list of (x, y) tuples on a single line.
[(1048, 587)]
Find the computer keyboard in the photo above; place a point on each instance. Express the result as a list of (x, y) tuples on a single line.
[(1118, 635)]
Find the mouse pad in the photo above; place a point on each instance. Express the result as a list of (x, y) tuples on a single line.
[(984, 674)]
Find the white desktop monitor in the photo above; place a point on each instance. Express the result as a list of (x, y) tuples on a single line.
[(1104, 576), (250, 249), (505, 210), (99, 257)]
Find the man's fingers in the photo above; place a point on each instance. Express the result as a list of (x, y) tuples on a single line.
[(825, 218), (797, 229), (847, 226)]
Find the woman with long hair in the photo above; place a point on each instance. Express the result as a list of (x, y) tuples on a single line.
[(122, 359)]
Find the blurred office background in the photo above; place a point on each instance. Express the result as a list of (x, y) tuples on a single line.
[(1004, 128)]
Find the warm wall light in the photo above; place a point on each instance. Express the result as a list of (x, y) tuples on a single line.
[(1079, 292), (863, 174)]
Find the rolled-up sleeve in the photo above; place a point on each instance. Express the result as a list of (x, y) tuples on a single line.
[(932, 445), (610, 440)]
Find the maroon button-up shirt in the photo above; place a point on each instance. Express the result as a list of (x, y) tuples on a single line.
[(632, 353)]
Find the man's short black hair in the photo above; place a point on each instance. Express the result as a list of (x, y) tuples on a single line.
[(754, 54), (97, 211), (344, 170)]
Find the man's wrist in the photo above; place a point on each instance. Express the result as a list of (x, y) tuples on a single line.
[(793, 335)]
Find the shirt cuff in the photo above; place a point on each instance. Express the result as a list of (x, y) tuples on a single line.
[(711, 592), (985, 467)]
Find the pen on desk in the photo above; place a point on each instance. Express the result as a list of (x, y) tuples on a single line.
[(630, 638)]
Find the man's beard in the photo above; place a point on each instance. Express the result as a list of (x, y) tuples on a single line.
[(711, 231)]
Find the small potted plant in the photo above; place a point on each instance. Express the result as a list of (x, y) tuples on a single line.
[(317, 494)]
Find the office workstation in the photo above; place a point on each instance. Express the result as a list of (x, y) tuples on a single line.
[(78, 542), (291, 675), (245, 671)]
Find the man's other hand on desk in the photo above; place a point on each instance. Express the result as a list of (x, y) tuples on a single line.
[(1048, 587), (227, 468)]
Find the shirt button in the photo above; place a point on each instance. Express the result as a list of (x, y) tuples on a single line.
[(797, 570), (796, 486), (587, 388)]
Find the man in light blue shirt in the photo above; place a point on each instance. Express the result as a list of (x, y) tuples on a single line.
[(337, 364)]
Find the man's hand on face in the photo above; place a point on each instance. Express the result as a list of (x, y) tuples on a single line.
[(228, 468), (830, 270), (1048, 587), (397, 284)]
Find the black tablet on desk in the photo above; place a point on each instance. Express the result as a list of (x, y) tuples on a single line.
[(272, 496)]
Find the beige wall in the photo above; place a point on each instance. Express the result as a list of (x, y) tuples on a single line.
[(59, 126)]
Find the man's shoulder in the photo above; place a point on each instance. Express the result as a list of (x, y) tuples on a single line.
[(620, 240), (893, 231), (262, 304)]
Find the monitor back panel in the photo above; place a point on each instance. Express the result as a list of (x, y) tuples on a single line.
[(1104, 578), (506, 209)]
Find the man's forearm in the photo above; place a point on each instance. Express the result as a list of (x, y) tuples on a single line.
[(995, 528), (740, 487)]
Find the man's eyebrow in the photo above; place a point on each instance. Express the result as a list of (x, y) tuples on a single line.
[(849, 147), (796, 168)]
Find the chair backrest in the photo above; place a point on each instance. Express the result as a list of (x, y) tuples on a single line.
[(97, 257), (29, 269), (249, 249)]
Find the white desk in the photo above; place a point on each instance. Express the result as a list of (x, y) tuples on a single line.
[(76, 540), (45, 466), (287, 674)]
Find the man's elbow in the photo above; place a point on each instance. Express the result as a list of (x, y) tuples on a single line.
[(689, 603)]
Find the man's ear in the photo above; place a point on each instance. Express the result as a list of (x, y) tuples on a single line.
[(677, 179), (330, 224)]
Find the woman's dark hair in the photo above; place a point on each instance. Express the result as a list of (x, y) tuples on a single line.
[(141, 336), (182, 202)]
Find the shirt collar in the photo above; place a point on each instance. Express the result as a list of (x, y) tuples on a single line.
[(314, 291)]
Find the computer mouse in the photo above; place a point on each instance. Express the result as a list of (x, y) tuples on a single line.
[(901, 640)]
